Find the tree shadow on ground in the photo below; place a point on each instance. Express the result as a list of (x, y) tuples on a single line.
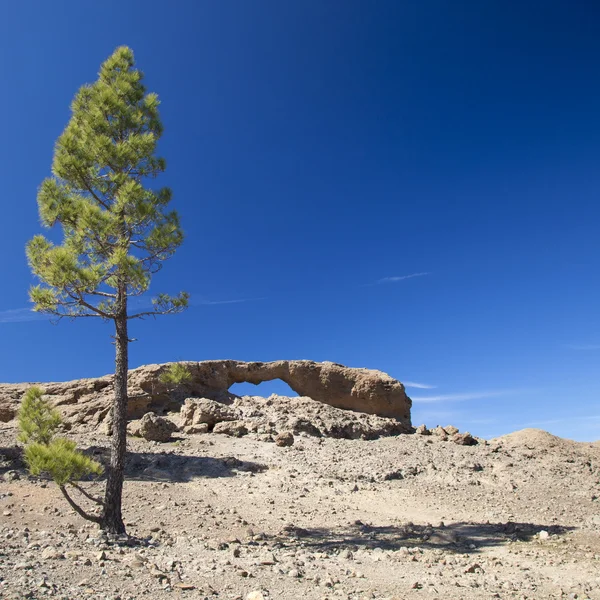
[(149, 466), (177, 468), (11, 459), (461, 537)]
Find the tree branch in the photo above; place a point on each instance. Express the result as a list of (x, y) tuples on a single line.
[(91, 191), (77, 508), (154, 313), (87, 494), (78, 297), (103, 294)]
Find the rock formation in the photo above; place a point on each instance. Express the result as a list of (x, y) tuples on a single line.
[(88, 401)]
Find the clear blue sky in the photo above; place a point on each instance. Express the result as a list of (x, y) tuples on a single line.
[(321, 152)]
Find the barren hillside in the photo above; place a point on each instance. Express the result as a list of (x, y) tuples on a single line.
[(235, 513)]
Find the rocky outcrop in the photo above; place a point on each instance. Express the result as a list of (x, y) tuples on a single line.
[(88, 401)]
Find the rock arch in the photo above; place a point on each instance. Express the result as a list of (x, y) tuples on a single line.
[(88, 401), (362, 390)]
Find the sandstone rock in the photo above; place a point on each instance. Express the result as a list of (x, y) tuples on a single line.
[(422, 430), (440, 432), (286, 438), (200, 428), (155, 428), (197, 411), (51, 553), (232, 428), (464, 439), (133, 428), (451, 430), (256, 595)]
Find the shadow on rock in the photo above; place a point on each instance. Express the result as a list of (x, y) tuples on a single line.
[(458, 537)]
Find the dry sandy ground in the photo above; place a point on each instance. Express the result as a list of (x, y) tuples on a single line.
[(227, 518)]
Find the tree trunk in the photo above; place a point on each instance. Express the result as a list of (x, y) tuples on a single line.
[(112, 519)]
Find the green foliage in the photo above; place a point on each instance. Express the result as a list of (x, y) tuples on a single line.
[(117, 228), (175, 374), (44, 453), (38, 421), (61, 460)]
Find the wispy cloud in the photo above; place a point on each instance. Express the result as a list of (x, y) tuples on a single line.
[(23, 315), (583, 346), (463, 396), (395, 279), (19, 315), (420, 386)]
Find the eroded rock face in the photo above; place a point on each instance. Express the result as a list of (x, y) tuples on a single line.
[(88, 401)]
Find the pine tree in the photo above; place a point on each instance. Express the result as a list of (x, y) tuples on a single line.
[(58, 457), (117, 229)]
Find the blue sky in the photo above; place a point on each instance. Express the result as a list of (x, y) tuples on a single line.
[(406, 186)]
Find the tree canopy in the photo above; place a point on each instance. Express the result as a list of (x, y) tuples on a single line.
[(117, 229)]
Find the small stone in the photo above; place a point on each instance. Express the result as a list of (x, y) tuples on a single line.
[(284, 439), (422, 430), (543, 535), (294, 573), (101, 556), (185, 586), (416, 585), (256, 595), (10, 476), (51, 553)]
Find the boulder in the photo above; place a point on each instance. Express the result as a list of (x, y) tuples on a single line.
[(155, 428), (464, 439), (440, 432), (232, 428), (200, 428)]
